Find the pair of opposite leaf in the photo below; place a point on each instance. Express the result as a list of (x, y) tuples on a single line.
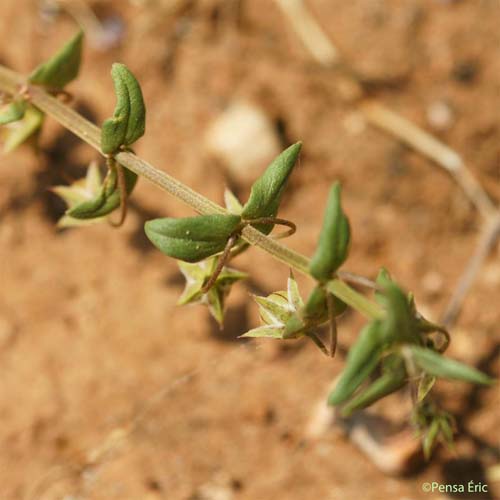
[(192, 239), (119, 132), (25, 120), (125, 127), (394, 344)]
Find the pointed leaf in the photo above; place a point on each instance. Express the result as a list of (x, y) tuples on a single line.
[(215, 299), (274, 309), (294, 327), (192, 239), (430, 438), (62, 67), (232, 203), (425, 385), (106, 200), (271, 332), (20, 131), (389, 382), (333, 245), (12, 112), (316, 305), (266, 192), (129, 118), (399, 324), (293, 293), (362, 359), (439, 366), (383, 280)]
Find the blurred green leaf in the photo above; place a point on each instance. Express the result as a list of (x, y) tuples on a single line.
[(80, 191), (362, 360), (269, 332), (430, 438), (425, 384), (333, 245), (392, 379), (62, 67), (437, 365), (12, 112), (20, 131)]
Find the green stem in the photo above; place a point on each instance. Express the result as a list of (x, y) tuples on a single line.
[(352, 298), (11, 82)]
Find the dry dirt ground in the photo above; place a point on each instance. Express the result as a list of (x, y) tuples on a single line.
[(91, 341)]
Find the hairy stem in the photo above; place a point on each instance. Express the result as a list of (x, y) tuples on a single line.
[(12, 82)]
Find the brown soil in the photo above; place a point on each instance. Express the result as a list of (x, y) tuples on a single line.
[(91, 341)]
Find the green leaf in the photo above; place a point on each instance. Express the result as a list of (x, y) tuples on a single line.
[(192, 239), (232, 203), (430, 438), (80, 191), (362, 359), (62, 67), (316, 307), (129, 119), (399, 324), (333, 245), (106, 200), (21, 130), (393, 378), (425, 385), (265, 196), (270, 332), (274, 309), (12, 112), (383, 280), (439, 366)]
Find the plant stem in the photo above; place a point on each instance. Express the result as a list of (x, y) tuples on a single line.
[(11, 82), (357, 301)]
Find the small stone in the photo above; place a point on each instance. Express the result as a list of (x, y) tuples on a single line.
[(432, 283), (440, 115), (211, 491), (354, 123), (244, 140)]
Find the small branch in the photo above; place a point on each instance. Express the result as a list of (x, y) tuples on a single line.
[(221, 262), (11, 82), (487, 238), (309, 31), (381, 117), (359, 302), (332, 325)]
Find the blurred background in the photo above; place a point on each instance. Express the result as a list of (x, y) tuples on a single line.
[(110, 391)]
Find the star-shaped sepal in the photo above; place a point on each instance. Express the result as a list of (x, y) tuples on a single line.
[(197, 275), (80, 191)]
